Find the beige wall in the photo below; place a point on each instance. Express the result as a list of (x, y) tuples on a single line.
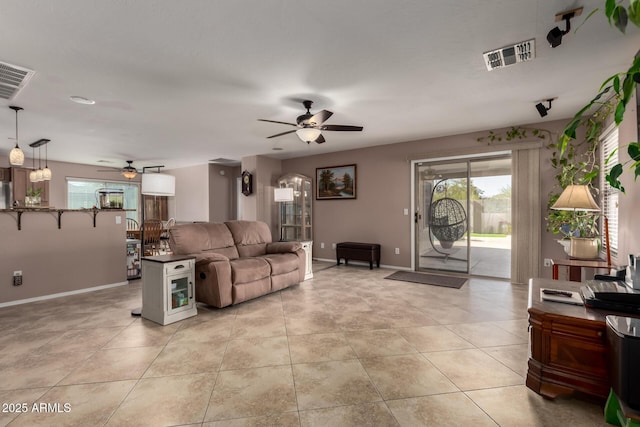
[(75, 257), (222, 192), (191, 202), (260, 204)]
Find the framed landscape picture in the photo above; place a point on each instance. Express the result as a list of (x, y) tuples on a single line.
[(336, 182)]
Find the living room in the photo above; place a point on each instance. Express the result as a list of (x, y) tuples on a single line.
[(385, 153)]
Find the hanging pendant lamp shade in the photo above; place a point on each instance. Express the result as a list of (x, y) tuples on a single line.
[(46, 172), (16, 155)]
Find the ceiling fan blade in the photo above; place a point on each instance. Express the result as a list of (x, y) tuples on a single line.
[(320, 139), (341, 127), (275, 121), (280, 134), (319, 117)]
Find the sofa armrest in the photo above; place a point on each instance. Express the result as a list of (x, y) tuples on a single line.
[(283, 247), (207, 257), (213, 280)]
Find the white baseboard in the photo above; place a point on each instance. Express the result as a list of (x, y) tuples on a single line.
[(392, 267), (61, 294)]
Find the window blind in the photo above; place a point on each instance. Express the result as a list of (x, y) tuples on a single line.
[(609, 195)]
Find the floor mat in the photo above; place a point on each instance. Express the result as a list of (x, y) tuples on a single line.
[(428, 279)]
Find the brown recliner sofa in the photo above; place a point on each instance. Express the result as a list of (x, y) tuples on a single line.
[(237, 260)]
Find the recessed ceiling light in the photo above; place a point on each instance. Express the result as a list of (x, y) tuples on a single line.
[(82, 100)]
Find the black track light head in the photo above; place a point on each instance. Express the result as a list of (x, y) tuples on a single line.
[(554, 37), (542, 110)]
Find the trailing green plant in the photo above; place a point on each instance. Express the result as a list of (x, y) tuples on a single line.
[(620, 87), (516, 132), (576, 163)]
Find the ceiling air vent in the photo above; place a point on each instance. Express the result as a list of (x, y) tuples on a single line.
[(510, 55), (13, 79)]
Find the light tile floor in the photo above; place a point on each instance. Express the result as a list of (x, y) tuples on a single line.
[(347, 348)]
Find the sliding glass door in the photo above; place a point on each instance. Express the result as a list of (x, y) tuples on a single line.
[(463, 216)]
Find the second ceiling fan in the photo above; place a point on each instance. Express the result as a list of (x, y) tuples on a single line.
[(310, 126)]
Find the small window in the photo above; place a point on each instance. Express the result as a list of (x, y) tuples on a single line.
[(609, 195)]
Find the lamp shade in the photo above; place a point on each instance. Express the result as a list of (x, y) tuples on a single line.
[(46, 174), (129, 174), (16, 156), (308, 134), (158, 184), (283, 194), (576, 198)]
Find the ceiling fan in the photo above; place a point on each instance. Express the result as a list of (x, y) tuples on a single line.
[(128, 171), (310, 126)]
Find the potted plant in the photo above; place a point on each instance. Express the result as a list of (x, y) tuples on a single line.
[(33, 197)]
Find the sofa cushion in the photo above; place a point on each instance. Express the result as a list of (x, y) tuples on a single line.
[(250, 237), (282, 263), (245, 270), (206, 238)]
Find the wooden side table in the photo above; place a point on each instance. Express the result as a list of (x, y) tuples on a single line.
[(568, 345), (575, 267)]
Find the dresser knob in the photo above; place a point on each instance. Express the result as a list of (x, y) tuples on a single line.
[(599, 333)]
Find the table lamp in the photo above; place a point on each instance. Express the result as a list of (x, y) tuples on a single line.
[(579, 198)]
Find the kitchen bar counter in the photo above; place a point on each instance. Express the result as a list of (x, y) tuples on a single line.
[(57, 212)]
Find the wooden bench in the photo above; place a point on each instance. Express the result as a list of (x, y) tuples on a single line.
[(368, 252)]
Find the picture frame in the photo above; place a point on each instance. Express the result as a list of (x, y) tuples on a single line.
[(336, 182)]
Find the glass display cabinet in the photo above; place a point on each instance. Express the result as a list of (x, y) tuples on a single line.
[(295, 219)]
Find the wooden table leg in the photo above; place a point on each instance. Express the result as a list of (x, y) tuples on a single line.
[(555, 271)]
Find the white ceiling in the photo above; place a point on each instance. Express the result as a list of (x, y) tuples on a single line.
[(181, 82)]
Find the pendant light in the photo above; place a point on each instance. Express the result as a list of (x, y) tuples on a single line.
[(39, 176), (46, 172), (16, 155), (32, 174)]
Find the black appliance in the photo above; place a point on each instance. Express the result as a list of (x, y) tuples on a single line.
[(623, 341)]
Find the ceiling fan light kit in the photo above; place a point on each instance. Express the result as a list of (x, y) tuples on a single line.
[(308, 134), (310, 126)]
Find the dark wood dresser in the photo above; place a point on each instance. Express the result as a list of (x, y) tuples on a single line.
[(568, 345)]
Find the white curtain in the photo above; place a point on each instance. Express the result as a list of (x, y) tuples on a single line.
[(526, 211)]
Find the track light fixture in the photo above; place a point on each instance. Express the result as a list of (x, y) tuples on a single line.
[(542, 110), (554, 37)]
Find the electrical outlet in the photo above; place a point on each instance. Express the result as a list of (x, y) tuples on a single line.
[(547, 262), (17, 278), (333, 246), (397, 251), (322, 245)]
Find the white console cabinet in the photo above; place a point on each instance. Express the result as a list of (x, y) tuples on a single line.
[(168, 288)]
